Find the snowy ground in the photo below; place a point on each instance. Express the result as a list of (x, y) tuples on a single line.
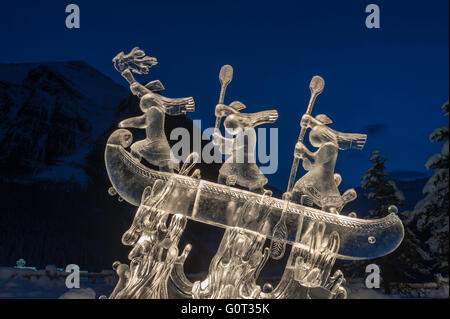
[(357, 290), (28, 283)]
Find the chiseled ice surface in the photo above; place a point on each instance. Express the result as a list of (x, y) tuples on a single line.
[(167, 196)]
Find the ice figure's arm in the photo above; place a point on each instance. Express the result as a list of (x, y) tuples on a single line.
[(337, 179), (155, 86), (226, 144), (136, 88), (348, 196), (177, 106), (351, 140), (127, 75), (223, 110), (310, 122), (302, 152), (136, 122)]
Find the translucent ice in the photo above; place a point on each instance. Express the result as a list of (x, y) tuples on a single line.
[(238, 203), (320, 184), (241, 168), (154, 148)]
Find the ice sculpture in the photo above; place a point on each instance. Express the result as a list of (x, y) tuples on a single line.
[(155, 247), (320, 184), (240, 168), (154, 148), (307, 217), (235, 268)]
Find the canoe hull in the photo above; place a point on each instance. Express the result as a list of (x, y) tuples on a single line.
[(225, 206)]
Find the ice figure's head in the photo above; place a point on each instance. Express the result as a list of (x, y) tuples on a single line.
[(147, 101), (321, 134), (234, 123)]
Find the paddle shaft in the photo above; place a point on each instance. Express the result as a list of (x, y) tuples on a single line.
[(225, 79), (221, 99), (300, 139)]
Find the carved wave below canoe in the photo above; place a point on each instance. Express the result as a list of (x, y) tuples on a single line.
[(225, 206)]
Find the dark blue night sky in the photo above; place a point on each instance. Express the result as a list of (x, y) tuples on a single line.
[(388, 82)]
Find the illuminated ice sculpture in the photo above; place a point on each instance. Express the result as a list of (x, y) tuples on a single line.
[(307, 217)]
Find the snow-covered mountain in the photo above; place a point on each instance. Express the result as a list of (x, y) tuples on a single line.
[(51, 114)]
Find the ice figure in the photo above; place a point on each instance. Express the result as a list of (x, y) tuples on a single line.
[(320, 184), (154, 148), (240, 168), (238, 203)]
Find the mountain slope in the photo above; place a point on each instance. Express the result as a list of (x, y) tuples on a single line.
[(51, 115)]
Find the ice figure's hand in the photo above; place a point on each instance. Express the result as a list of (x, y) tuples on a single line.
[(190, 105), (349, 195), (287, 196), (196, 174), (300, 150), (231, 180), (306, 121), (316, 255), (217, 138), (223, 110), (337, 179)]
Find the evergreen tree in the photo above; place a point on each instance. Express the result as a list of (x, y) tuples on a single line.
[(430, 216), (382, 192), (409, 260)]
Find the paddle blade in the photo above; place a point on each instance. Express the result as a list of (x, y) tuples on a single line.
[(278, 247), (316, 85), (226, 74)]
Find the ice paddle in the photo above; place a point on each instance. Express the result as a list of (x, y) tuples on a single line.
[(278, 247), (225, 77)]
